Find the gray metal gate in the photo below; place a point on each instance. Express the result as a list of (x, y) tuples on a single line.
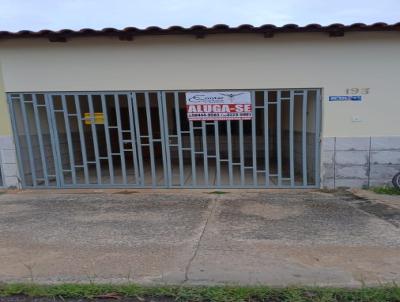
[(144, 139)]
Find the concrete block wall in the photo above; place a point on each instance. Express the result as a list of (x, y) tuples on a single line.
[(8, 162), (359, 161)]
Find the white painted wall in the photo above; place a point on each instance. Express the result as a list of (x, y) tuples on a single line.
[(5, 123), (369, 60)]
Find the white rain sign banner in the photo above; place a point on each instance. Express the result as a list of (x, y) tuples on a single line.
[(218, 105)]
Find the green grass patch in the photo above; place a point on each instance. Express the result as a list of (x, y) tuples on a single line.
[(200, 293), (386, 190), (218, 192)]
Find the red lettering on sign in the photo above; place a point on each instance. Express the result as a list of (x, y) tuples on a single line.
[(218, 108)]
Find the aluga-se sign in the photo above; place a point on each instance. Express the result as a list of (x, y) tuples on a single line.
[(218, 105)]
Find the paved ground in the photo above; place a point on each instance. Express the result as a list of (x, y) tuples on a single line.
[(187, 236)]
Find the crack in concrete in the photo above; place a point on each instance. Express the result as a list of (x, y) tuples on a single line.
[(197, 246)]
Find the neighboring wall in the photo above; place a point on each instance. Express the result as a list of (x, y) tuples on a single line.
[(359, 162), (360, 60), (8, 161)]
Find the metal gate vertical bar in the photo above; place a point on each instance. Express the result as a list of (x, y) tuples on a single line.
[(162, 116), (304, 137), (205, 155), (69, 138), (28, 140), (40, 139), (217, 154), (179, 134), (133, 139), (56, 143), (317, 136), (291, 137), (150, 139), (95, 141), (11, 103), (254, 137), (82, 139), (241, 150), (192, 154), (266, 136), (230, 168), (54, 147), (108, 140), (278, 137), (138, 138), (120, 138)]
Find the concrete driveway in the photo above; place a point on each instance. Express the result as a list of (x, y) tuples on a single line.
[(191, 236)]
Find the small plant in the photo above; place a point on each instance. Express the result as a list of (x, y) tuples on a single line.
[(129, 277), (386, 190), (90, 272), (218, 192), (30, 267)]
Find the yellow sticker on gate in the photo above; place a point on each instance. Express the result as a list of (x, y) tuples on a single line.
[(97, 118)]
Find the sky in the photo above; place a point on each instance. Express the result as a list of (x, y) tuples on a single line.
[(75, 14)]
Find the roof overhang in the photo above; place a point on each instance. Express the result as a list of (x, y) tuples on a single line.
[(200, 31)]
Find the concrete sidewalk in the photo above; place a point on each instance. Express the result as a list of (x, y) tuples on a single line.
[(270, 237)]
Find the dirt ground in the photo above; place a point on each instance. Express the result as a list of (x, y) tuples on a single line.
[(274, 237)]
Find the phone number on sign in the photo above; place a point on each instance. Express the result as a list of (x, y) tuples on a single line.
[(219, 116)]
